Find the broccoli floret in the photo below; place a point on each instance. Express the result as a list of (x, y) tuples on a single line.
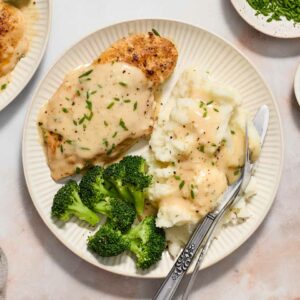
[(107, 241), (121, 214), (67, 203), (147, 242), (115, 174), (136, 184), (136, 179), (98, 195), (130, 180), (134, 163), (93, 188)]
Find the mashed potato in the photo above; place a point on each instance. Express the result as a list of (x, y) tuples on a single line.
[(197, 150)]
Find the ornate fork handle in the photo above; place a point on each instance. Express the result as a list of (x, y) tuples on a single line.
[(171, 282)]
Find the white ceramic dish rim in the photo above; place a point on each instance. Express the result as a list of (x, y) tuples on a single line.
[(261, 28), (38, 61), (250, 232), (297, 84)]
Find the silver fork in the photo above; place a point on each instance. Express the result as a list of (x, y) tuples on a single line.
[(172, 281), (260, 121)]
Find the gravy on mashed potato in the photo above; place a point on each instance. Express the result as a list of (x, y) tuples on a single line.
[(197, 149)]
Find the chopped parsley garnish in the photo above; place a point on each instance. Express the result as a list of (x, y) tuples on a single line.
[(3, 86), (65, 110), (81, 120), (201, 148), (93, 92), (155, 32), (204, 114), (232, 131), (67, 98), (201, 104), (135, 106), (177, 177), (116, 99), (122, 83), (109, 152), (87, 73), (88, 104), (122, 124), (40, 123), (181, 185), (105, 142), (192, 194), (77, 170), (61, 149), (68, 142), (74, 122), (216, 110), (85, 148), (110, 105), (78, 93), (115, 134), (210, 102), (236, 172), (99, 86), (105, 123), (127, 101), (214, 145)]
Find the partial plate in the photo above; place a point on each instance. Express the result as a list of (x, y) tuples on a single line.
[(279, 29), (297, 84), (197, 47), (27, 66)]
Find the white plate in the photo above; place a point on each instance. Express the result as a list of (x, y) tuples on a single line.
[(297, 84), (27, 66), (280, 29), (196, 47)]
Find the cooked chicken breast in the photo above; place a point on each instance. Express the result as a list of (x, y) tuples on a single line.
[(101, 110), (154, 55), (13, 42)]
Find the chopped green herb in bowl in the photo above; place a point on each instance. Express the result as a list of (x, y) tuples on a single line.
[(275, 10)]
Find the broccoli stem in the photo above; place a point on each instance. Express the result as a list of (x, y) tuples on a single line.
[(82, 212), (138, 197), (103, 208), (124, 192)]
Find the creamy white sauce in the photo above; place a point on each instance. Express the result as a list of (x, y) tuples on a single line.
[(97, 112)]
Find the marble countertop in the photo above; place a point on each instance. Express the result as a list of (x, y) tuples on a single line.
[(265, 267)]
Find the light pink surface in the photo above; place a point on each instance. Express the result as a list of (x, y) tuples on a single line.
[(267, 266)]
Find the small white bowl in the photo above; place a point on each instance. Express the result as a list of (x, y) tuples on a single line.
[(297, 84)]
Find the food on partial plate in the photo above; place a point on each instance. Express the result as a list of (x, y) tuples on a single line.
[(276, 10), (102, 109), (196, 150), (14, 39)]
